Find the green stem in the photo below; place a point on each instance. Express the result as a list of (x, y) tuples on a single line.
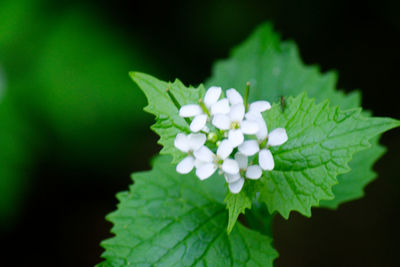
[(246, 96)]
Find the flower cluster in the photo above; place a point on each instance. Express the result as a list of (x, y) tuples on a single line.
[(224, 127)]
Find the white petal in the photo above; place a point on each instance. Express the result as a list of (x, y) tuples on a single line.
[(222, 122), (230, 178), (182, 142), (252, 115), (221, 107), (205, 171), (204, 154), (249, 147), (253, 172), (242, 160), (230, 166), (196, 140), (186, 165), (236, 186), (224, 149), (212, 95), (277, 137), (190, 110), (235, 137), (198, 122), (205, 129), (234, 96), (259, 106), (237, 112), (249, 127), (266, 160), (198, 163), (262, 132)]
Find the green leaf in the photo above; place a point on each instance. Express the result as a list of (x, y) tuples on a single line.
[(311, 159), (258, 218), (351, 184), (322, 141), (160, 104), (236, 204), (275, 69), (171, 220)]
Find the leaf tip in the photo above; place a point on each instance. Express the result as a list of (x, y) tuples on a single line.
[(137, 76), (134, 75), (229, 228)]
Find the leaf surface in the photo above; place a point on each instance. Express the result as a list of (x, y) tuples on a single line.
[(171, 220), (275, 70), (236, 204), (322, 141), (168, 123), (351, 184)]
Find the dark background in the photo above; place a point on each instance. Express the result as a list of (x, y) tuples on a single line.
[(68, 191)]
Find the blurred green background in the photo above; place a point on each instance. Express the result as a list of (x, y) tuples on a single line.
[(72, 127)]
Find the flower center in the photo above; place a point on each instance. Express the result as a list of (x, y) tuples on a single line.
[(218, 161), (235, 125)]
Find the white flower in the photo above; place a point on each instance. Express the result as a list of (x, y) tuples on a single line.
[(256, 116), (211, 103), (188, 144), (234, 98), (227, 118), (209, 162), (264, 140), (236, 181), (236, 124)]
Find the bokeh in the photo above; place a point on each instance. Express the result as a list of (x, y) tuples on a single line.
[(72, 126)]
